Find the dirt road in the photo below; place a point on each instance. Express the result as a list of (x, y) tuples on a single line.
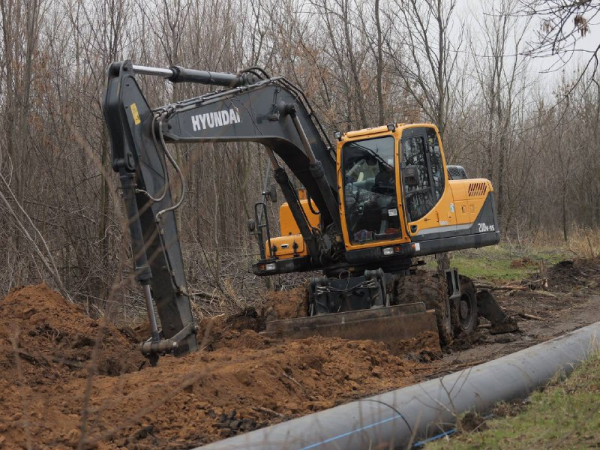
[(570, 300), (240, 382)]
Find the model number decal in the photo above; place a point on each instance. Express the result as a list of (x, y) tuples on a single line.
[(484, 227)]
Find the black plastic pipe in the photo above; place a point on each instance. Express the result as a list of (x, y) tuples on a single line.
[(397, 418)]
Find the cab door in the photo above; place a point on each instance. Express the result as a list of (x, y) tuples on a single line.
[(368, 189), (424, 180)]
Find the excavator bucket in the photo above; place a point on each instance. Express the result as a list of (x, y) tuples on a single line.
[(385, 324)]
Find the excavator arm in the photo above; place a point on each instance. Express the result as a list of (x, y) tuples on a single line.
[(252, 108)]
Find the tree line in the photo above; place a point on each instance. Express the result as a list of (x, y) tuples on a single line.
[(361, 63)]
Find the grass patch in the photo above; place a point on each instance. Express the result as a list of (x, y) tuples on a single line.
[(502, 263), (565, 415), (515, 260)]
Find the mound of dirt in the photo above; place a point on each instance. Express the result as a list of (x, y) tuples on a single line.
[(579, 274), (523, 262), (425, 347), (286, 304), (56, 339), (226, 331), (207, 396), (241, 381)]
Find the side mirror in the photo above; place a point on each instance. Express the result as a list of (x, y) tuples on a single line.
[(411, 176), (251, 225), (457, 172)]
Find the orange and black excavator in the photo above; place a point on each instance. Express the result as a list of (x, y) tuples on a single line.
[(368, 206)]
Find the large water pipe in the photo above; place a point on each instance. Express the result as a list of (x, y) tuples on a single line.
[(397, 418)]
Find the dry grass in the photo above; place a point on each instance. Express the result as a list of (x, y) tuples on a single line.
[(583, 242), (564, 415)]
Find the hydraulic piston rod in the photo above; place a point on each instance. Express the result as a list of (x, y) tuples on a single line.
[(154, 71), (177, 74)]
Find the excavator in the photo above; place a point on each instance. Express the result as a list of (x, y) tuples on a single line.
[(367, 208)]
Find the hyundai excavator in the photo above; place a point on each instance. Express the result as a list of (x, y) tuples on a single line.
[(368, 206)]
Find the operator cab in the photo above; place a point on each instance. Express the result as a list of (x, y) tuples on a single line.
[(378, 168), (397, 200)]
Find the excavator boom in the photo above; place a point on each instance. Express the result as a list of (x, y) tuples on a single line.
[(269, 111)]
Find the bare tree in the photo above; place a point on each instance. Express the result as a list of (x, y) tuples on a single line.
[(20, 39), (500, 73), (562, 24), (360, 64), (423, 31)]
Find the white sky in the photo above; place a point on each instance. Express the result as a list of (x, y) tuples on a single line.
[(471, 12)]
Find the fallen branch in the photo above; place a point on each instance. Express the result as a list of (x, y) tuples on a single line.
[(292, 379), (268, 411), (529, 316), (204, 295), (509, 288), (538, 293), (525, 286)]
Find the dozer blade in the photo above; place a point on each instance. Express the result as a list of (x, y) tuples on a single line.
[(386, 324)]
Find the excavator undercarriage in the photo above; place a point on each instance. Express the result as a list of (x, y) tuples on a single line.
[(390, 308)]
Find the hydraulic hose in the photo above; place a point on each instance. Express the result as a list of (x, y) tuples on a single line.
[(181, 177), (166, 186)]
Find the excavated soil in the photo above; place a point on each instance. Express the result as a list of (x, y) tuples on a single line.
[(55, 338), (287, 304), (580, 275), (241, 380)]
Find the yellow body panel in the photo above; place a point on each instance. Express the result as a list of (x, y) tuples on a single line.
[(469, 196), (287, 223), (290, 233), (285, 246), (460, 204)]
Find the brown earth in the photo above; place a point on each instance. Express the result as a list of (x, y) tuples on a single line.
[(287, 304), (240, 381), (580, 275), (522, 262)]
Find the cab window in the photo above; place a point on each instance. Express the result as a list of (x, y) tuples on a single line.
[(437, 165), (421, 151), (370, 199)]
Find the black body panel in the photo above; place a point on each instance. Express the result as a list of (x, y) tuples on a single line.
[(256, 118)]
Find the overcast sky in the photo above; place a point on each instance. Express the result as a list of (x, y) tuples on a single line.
[(548, 68)]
